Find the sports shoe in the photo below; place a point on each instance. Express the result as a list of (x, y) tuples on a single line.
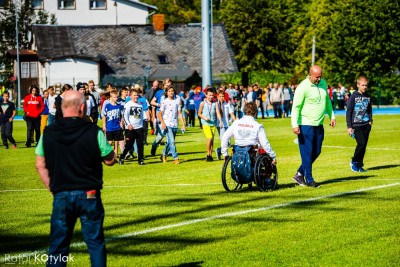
[(354, 166), (313, 184), (360, 169), (28, 144), (218, 153), (299, 179), (141, 162), (121, 161), (14, 146), (5, 147), (176, 161), (163, 158)]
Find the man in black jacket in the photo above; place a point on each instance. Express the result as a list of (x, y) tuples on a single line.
[(69, 159)]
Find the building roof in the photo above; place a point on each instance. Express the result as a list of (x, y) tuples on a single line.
[(126, 50), (162, 74)]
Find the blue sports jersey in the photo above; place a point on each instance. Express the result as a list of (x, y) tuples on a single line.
[(113, 116), (142, 101)]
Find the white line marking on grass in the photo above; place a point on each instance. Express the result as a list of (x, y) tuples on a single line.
[(368, 148), (230, 214)]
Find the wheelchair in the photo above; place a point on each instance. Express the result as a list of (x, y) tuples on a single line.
[(265, 174)]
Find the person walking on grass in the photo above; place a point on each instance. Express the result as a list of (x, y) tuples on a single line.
[(7, 114), (112, 122), (208, 113), (69, 159), (168, 117), (227, 112), (33, 107), (133, 120), (359, 122), (310, 103)]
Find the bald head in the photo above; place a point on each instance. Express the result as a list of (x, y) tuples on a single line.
[(315, 74), (73, 104)]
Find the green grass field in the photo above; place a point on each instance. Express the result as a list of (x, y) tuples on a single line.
[(163, 214)]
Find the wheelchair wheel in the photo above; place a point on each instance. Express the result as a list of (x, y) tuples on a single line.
[(227, 180), (265, 173)]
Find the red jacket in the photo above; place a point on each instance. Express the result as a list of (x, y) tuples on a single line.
[(33, 105)]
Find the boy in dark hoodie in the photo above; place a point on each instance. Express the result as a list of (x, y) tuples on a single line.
[(359, 122), (7, 114)]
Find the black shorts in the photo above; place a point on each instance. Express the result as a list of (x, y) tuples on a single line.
[(115, 135)]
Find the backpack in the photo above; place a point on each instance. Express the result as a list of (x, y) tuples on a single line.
[(242, 169)]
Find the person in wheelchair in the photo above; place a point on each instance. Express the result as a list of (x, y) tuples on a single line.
[(248, 133)]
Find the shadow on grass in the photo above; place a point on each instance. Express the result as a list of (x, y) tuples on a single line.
[(143, 246), (383, 167), (349, 178), (190, 264), (11, 243)]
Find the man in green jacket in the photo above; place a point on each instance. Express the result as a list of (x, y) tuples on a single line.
[(310, 103)]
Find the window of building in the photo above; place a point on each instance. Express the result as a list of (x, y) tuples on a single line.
[(66, 4), (37, 4), (33, 70), (98, 4), (163, 59), (24, 70), (29, 70), (4, 4)]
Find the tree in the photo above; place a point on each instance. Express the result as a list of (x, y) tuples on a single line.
[(178, 11), (26, 17), (258, 31)]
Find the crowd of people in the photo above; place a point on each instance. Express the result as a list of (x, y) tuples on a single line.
[(65, 130)]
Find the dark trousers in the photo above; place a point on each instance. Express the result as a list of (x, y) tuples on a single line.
[(6, 133), (310, 144), (33, 124), (145, 131), (286, 107), (192, 115), (68, 206), (261, 106), (132, 136), (361, 135), (277, 109)]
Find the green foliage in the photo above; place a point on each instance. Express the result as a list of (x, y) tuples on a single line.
[(261, 77), (178, 11), (26, 17), (258, 33)]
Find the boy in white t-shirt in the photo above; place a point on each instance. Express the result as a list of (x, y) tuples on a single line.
[(133, 119), (168, 116)]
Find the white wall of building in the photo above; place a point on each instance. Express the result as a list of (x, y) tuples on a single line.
[(124, 12), (72, 71)]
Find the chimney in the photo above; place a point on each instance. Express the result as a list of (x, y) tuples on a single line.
[(158, 23)]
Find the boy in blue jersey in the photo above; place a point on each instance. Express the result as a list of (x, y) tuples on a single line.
[(112, 123)]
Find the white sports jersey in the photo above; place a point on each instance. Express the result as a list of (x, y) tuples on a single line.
[(170, 108), (133, 114), (225, 110), (246, 132)]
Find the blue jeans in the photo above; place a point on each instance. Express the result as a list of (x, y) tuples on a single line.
[(170, 146), (51, 119), (159, 136), (68, 206), (310, 144)]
